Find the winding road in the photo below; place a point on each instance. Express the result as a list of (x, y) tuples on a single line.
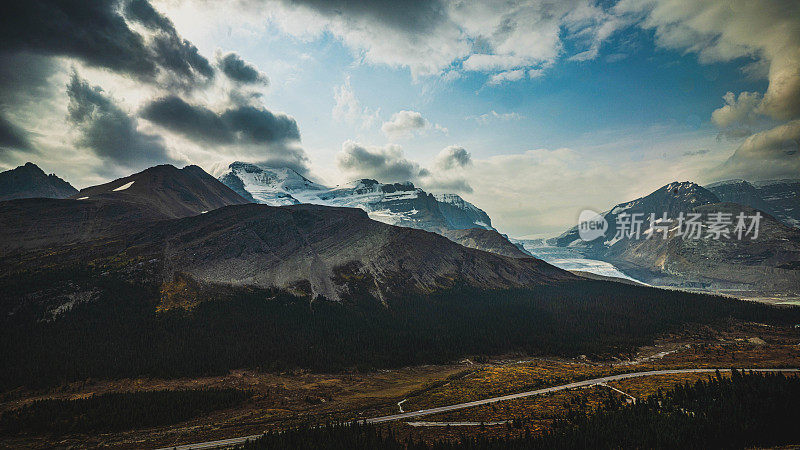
[(424, 412)]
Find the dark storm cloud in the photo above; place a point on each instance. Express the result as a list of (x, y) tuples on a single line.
[(244, 124), (11, 136), (144, 13), (259, 125), (109, 131), (24, 77), (195, 122), (23, 80), (181, 58), (385, 164), (239, 70), (95, 32)]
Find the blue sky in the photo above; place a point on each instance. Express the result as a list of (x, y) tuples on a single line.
[(532, 110)]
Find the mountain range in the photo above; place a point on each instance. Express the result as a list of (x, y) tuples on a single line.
[(170, 273), (766, 265), (127, 216), (166, 224), (400, 204)]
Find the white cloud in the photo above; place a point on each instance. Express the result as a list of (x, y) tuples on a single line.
[(767, 31), (494, 115), (737, 111), (774, 153), (509, 75), (486, 63), (432, 37), (453, 157), (404, 124), (348, 109)]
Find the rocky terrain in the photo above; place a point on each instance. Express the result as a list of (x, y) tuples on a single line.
[(486, 240), (769, 263), (779, 198), (400, 204), (29, 181), (671, 199)]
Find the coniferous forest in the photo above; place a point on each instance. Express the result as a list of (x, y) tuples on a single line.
[(116, 411), (742, 411), (121, 333)]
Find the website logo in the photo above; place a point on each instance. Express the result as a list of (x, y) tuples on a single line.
[(591, 225)]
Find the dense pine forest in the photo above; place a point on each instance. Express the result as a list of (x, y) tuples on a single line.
[(116, 411), (745, 410), (120, 333)]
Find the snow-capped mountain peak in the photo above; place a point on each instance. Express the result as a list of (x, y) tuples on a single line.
[(268, 185), (395, 203)]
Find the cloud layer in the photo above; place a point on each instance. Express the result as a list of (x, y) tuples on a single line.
[(774, 153), (430, 37)]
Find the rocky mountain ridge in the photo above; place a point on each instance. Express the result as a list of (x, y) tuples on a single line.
[(29, 181)]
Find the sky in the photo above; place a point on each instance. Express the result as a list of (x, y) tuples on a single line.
[(532, 110)]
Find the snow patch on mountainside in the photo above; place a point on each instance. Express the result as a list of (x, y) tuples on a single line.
[(123, 187)]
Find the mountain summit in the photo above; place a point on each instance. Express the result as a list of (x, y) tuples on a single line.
[(166, 191), (29, 181)]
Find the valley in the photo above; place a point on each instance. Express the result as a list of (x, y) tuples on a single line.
[(280, 400), (415, 225), (167, 308)]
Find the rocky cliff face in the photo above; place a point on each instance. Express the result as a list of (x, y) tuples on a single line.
[(461, 214), (779, 198), (671, 199), (335, 252), (29, 181), (741, 192), (768, 263), (486, 240)]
